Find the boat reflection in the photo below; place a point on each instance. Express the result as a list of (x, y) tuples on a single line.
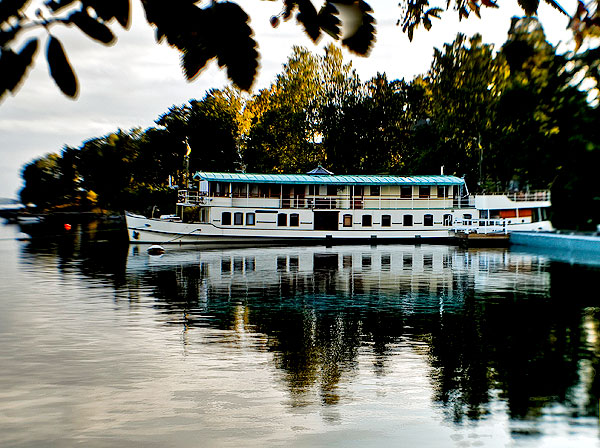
[(495, 328)]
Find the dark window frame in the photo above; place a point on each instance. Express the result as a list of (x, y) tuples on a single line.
[(428, 220), (294, 220), (226, 218), (238, 216), (282, 220)]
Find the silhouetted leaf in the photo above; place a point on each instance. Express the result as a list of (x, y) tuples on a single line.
[(529, 6), (309, 19), (363, 39), (92, 27), (288, 8), (13, 66), (556, 6), (60, 69), (56, 5), (489, 3), (10, 8), (7, 36), (328, 20), (107, 9), (236, 49), (219, 31)]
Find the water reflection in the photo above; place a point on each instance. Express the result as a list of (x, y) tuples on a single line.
[(494, 326), (480, 335)]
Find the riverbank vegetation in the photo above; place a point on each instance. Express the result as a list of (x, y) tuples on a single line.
[(510, 116)]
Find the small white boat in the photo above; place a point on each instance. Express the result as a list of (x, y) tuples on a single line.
[(30, 219), (320, 206)]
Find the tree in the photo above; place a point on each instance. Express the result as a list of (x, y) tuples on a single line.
[(462, 88), (218, 31), (546, 129)]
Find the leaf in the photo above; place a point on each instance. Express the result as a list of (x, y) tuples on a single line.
[(219, 31), (288, 8), (60, 69), (363, 39), (556, 6), (92, 27), (529, 6), (308, 17), (236, 49), (107, 9), (328, 21), (11, 8), (57, 5), (7, 36), (435, 12), (14, 66), (489, 3)]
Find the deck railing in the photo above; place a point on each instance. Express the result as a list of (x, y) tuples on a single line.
[(194, 198), (523, 196), (480, 225)]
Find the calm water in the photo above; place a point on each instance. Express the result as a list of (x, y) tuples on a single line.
[(104, 345)]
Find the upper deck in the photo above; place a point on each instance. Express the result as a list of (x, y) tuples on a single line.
[(325, 191)]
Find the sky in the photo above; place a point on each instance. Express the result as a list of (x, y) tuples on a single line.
[(131, 83)]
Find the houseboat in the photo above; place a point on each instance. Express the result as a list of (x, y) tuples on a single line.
[(320, 206)]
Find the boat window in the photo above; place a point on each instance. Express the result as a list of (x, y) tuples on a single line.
[(447, 220), (250, 220), (442, 191), (331, 190), (386, 221), (407, 220), (238, 218), (347, 220), (406, 192), (226, 218), (375, 190), (467, 216), (367, 220), (282, 220), (424, 191), (294, 220), (428, 220), (204, 214)]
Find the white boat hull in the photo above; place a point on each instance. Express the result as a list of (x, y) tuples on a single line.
[(146, 230), (156, 231)]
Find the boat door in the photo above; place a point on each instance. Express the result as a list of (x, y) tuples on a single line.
[(326, 220)]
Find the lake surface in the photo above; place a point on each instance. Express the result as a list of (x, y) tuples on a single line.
[(102, 345)]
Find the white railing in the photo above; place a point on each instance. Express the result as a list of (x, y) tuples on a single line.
[(523, 196), (383, 202), (480, 225)]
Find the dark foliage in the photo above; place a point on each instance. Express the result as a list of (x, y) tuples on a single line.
[(219, 31)]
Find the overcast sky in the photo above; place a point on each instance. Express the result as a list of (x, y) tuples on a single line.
[(133, 82)]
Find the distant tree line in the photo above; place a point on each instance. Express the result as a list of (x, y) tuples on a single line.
[(516, 116)]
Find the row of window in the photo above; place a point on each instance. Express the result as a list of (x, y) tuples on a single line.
[(266, 190), (386, 220), (294, 220)]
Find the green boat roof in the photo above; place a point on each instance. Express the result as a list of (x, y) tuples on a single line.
[(328, 179)]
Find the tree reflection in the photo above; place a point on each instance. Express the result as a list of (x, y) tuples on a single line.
[(494, 326), (521, 345)]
